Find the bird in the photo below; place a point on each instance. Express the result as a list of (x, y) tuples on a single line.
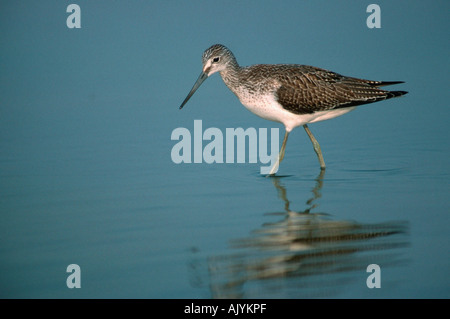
[(291, 94)]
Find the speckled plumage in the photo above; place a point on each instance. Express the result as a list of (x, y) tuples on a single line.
[(291, 94), (300, 89)]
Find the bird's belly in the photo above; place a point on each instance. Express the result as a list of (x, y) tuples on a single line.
[(268, 108), (326, 115), (264, 107)]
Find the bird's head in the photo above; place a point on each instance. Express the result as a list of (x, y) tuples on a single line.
[(215, 59)]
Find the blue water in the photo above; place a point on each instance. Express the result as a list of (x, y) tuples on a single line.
[(86, 175)]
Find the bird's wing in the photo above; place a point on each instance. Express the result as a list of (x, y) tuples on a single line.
[(305, 89)]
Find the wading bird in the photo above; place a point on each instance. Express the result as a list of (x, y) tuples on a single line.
[(291, 94)]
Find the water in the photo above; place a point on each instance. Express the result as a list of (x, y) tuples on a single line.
[(140, 226), (87, 178)]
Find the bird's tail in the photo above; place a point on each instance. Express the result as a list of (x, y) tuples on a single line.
[(392, 94), (384, 83)]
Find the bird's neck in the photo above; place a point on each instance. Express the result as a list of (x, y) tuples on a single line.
[(230, 75)]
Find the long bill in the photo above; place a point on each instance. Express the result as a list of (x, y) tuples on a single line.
[(203, 76)]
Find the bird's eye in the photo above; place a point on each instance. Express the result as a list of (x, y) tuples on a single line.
[(216, 59)]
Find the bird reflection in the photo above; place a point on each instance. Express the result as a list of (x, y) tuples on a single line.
[(303, 254)]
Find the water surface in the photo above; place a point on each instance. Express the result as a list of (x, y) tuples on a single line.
[(86, 175)]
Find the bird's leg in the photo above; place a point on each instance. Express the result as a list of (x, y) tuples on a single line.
[(316, 146), (280, 155)]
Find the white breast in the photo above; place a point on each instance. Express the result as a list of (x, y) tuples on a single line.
[(268, 108)]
